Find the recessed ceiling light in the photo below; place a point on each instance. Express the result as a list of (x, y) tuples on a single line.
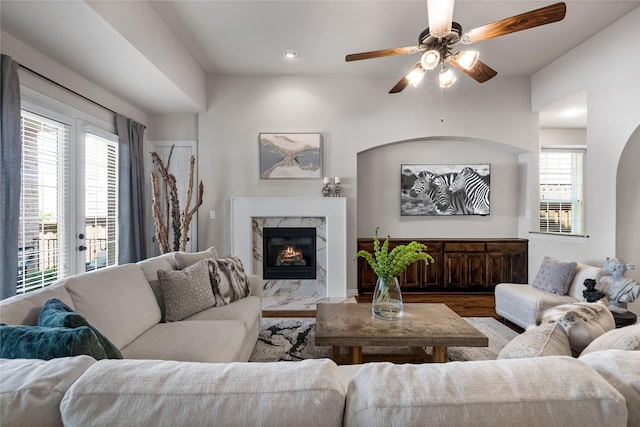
[(289, 53)]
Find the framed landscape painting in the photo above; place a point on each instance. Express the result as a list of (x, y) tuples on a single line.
[(290, 155), (437, 190)]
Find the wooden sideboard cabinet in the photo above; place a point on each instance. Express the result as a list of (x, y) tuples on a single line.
[(460, 265)]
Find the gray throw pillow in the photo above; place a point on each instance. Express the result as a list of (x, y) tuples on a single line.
[(228, 279), (627, 338), (185, 259), (554, 275), (186, 292)]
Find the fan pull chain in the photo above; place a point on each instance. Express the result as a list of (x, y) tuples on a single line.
[(441, 105)]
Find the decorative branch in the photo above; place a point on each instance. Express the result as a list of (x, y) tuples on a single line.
[(180, 221)]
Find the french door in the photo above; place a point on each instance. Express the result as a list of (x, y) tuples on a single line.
[(68, 203)]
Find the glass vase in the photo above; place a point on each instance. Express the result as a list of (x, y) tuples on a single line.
[(387, 299)]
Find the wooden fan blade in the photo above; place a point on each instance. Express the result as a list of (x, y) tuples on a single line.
[(404, 81), (534, 18), (481, 72), (382, 53)]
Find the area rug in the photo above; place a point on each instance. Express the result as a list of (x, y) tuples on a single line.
[(292, 339)]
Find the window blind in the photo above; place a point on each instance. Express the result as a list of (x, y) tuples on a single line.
[(44, 253), (561, 191)]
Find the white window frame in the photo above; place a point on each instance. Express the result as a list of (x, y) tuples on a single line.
[(576, 201)]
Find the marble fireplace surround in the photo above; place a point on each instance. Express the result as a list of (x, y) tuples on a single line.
[(331, 211)]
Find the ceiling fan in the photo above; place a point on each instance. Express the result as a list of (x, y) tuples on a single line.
[(437, 42)]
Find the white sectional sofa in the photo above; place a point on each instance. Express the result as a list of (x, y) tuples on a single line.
[(599, 389), (523, 304), (125, 304)]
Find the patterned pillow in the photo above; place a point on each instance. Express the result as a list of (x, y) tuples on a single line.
[(40, 342), (627, 338), (55, 313), (554, 276), (186, 292), (582, 321), (228, 279), (544, 340)]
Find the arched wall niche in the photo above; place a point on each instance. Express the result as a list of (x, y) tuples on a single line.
[(628, 205), (378, 184)]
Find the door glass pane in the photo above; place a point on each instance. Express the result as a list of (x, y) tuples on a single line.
[(100, 202), (43, 207)]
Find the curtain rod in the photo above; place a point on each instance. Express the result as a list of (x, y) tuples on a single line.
[(67, 89)]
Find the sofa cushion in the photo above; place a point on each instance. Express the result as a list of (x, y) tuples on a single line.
[(582, 321), (185, 259), (39, 342), (153, 393), (117, 300), (554, 275), (627, 338), (55, 313), (191, 341), (622, 370), (549, 339), (31, 390), (248, 310), (228, 279), (186, 292), (24, 309), (484, 393), (150, 269)]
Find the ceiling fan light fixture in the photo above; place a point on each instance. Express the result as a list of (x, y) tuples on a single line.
[(467, 58), (415, 76), (430, 59), (446, 77), (440, 17)]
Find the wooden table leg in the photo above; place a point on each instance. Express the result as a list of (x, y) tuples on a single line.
[(440, 354), (356, 355)]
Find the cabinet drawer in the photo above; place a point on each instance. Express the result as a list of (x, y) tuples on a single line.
[(506, 246), (464, 247)]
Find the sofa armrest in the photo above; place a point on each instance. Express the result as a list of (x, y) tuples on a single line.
[(255, 284)]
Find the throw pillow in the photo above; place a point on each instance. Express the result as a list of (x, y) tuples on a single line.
[(544, 340), (582, 321), (627, 338), (56, 314), (186, 292), (185, 259), (39, 342), (228, 279), (554, 275)]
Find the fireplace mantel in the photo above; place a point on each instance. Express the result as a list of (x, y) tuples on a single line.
[(332, 209)]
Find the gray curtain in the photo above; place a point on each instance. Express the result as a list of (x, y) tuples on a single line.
[(10, 181), (131, 228)]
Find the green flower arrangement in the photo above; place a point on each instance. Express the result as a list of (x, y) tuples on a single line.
[(388, 265)]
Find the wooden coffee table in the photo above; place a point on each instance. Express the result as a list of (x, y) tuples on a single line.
[(423, 325)]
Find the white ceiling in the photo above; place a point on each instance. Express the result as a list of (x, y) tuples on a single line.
[(103, 42)]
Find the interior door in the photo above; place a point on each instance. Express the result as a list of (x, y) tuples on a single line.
[(179, 167)]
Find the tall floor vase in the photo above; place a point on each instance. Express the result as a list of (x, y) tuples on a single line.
[(387, 299)]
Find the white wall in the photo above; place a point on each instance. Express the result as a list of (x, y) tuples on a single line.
[(379, 190), (613, 102), (552, 136), (354, 115)]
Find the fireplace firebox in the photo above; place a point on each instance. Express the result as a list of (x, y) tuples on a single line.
[(289, 253)]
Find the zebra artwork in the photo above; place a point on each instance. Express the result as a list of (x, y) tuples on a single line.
[(428, 190), (475, 188)]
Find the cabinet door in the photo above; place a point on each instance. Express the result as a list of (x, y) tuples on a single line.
[(475, 269), (454, 270), (506, 262), (366, 277), (433, 274)]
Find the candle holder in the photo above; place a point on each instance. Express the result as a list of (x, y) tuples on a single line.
[(326, 190), (336, 190)]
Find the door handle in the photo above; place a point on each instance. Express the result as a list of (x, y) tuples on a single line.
[(82, 248)]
